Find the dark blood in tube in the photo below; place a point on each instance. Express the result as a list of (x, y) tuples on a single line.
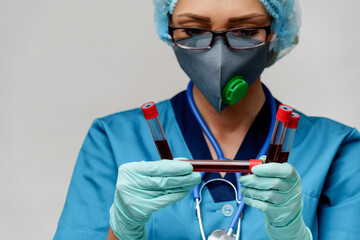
[(284, 156), (274, 153), (220, 166), (163, 149)]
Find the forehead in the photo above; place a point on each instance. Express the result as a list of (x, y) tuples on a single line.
[(224, 8)]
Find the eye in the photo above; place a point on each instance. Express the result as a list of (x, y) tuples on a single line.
[(246, 32), (194, 32)]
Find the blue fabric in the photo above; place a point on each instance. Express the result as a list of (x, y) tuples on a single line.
[(196, 143), (325, 154)]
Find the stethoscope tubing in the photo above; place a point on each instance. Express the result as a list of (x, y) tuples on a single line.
[(262, 152), (219, 153), (202, 123)]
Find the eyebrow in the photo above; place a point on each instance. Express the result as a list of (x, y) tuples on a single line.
[(245, 18), (231, 20), (196, 17)]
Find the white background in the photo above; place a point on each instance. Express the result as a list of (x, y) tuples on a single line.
[(64, 63)]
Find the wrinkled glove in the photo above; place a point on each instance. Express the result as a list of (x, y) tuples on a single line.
[(145, 187), (275, 189)]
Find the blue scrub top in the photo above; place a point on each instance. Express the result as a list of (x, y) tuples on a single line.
[(325, 154), (197, 145)]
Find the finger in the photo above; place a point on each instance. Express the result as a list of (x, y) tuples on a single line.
[(283, 215), (266, 207), (165, 200), (260, 205), (139, 210), (263, 158), (272, 196), (269, 196), (161, 168), (278, 215), (151, 194), (266, 183), (280, 170), (166, 183)]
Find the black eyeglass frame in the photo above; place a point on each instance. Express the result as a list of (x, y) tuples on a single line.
[(222, 34)]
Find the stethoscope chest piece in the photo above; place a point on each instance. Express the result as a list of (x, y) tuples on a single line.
[(221, 234)]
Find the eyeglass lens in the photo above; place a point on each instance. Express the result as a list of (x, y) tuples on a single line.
[(237, 38)]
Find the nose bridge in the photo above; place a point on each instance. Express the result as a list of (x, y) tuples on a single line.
[(221, 52), (220, 34), (220, 38)]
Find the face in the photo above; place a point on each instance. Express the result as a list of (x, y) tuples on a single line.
[(220, 14), (214, 67)]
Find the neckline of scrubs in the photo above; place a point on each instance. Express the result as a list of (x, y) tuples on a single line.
[(196, 143)]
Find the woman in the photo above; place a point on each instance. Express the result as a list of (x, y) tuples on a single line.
[(314, 196)]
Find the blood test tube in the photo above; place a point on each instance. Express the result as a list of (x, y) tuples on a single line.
[(152, 116), (283, 117), (230, 166), (289, 137)]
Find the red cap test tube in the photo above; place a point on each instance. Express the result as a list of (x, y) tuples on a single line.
[(289, 137), (152, 116), (283, 117), (231, 166)]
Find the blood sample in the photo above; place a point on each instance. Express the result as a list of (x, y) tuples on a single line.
[(163, 149), (273, 152), (152, 116), (284, 156), (289, 137), (230, 166), (283, 117)]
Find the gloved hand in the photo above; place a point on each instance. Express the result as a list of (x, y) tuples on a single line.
[(275, 189), (145, 187)]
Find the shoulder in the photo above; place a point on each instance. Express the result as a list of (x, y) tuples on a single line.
[(322, 127), (324, 136), (131, 117), (124, 127), (127, 133), (323, 148), (322, 141)]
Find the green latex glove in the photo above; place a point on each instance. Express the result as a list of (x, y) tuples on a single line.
[(145, 187), (275, 189)]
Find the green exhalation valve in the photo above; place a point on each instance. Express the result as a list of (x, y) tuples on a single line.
[(234, 90)]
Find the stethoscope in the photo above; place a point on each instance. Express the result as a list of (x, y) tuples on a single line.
[(236, 220)]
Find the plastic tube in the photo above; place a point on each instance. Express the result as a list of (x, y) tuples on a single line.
[(230, 166), (289, 137), (152, 116), (283, 117)]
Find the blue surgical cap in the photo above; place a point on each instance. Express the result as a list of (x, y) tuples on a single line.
[(286, 23)]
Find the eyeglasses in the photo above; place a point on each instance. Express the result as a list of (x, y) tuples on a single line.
[(235, 38)]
